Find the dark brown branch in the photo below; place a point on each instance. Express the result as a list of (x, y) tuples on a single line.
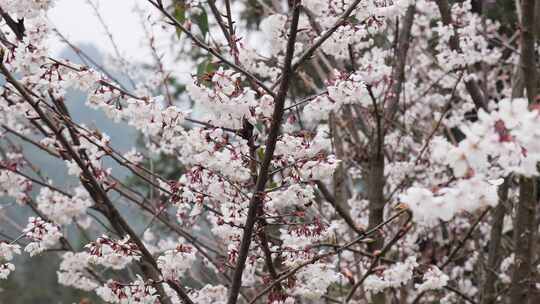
[(462, 242), (488, 291), (293, 271), (471, 85), (398, 72), (460, 294), (339, 209), (525, 225), (405, 227), (212, 51), (96, 191), (456, 249), (35, 181), (270, 146), (221, 23), (17, 27), (375, 180), (311, 50)]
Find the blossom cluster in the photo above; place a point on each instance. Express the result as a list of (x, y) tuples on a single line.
[(396, 276), (7, 252), (434, 279), (174, 263), (363, 130), (42, 234), (73, 271), (136, 292), (115, 254), (62, 209)]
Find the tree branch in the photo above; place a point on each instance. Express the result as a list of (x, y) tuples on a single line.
[(258, 195), (470, 84), (212, 51)]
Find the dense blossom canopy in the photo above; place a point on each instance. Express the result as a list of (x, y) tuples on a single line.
[(354, 151)]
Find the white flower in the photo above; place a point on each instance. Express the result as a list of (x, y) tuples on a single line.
[(174, 263), (115, 254), (14, 185), (73, 271), (62, 209), (136, 292), (5, 270), (133, 156), (506, 266), (43, 235), (210, 294), (513, 112), (73, 168), (225, 80), (26, 8), (434, 279), (426, 207), (273, 28), (294, 196), (349, 91), (463, 195), (314, 279), (395, 276), (319, 170), (7, 251)]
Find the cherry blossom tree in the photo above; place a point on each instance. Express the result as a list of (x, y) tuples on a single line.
[(351, 151)]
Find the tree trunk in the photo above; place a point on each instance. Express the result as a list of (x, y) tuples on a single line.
[(525, 222), (488, 290)]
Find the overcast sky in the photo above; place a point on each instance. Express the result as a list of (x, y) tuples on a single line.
[(76, 20)]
